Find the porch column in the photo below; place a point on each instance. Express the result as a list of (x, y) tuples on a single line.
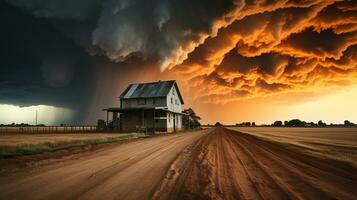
[(107, 117), (143, 117), (154, 122)]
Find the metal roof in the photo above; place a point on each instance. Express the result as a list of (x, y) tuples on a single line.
[(150, 90)]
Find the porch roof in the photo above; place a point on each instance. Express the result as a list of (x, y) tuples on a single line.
[(120, 110)]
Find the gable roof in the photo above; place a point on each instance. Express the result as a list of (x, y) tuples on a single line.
[(150, 90)]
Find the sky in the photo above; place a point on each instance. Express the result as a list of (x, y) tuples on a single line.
[(234, 60)]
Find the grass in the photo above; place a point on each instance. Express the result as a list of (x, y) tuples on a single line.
[(334, 143), (12, 145)]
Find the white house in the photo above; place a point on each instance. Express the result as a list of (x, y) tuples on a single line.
[(155, 106)]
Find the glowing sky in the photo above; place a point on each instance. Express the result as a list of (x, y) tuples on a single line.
[(329, 107), (242, 60), (45, 114)]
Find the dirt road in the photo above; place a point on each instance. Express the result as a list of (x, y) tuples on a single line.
[(211, 164)]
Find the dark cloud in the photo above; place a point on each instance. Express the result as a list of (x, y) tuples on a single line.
[(266, 63), (161, 29), (78, 10), (166, 29), (41, 65), (322, 44), (38, 64), (270, 87)]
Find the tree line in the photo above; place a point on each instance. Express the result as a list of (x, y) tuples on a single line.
[(298, 123), (21, 124)]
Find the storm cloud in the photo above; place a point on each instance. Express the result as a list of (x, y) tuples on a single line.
[(219, 50), (163, 29), (42, 65), (271, 49)]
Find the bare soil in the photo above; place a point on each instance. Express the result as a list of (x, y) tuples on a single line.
[(326, 143), (210, 164)]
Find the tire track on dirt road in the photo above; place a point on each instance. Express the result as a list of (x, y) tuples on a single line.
[(281, 176), (228, 164), (309, 177), (229, 175), (257, 177), (125, 171)]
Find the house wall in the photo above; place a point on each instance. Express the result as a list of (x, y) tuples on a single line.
[(160, 125), (129, 121), (151, 123), (173, 101), (149, 103), (171, 121), (174, 104)]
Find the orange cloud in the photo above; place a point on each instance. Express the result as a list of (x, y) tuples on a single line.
[(266, 49)]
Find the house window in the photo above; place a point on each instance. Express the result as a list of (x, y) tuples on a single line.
[(176, 102), (173, 92), (141, 101), (172, 100)]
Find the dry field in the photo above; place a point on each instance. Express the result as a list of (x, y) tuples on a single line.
[(19, 143), (335, 143)]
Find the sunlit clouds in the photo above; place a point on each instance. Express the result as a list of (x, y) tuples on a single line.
[(279, 48)]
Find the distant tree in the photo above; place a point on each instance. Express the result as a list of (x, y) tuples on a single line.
[(348, 123), (286, 123), (311, 124), (277, 123), (245, 124), (296, 123), (190, 120), (217, 124), (321, 123)]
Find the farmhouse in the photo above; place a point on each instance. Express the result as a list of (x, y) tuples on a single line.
[(155, 106)]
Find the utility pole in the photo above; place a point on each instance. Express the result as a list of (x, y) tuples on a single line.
[(36, 117)]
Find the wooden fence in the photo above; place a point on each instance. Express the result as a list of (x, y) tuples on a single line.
[(47, 129)]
